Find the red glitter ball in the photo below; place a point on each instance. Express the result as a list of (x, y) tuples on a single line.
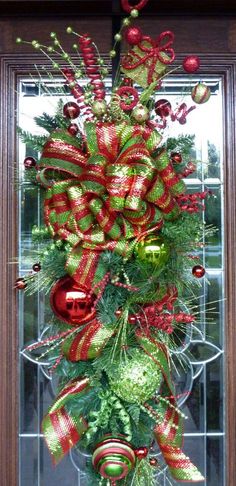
[(191, 64), (163, 108), (118, 312), (71, 110), (198, 271), (176, 157), (133, 35), (73, 129), (141, 452), (132, 319), (20, 284), (36, 267), (29, 162), (153, 461), (191, 166)]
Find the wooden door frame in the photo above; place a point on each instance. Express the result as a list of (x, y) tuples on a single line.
[(12, 68)]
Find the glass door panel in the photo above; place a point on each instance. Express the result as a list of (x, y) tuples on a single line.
[(203, 350)]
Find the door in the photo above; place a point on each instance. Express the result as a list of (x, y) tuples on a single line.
[(192, 36)]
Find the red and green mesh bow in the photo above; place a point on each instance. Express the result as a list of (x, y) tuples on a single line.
[(116, 191)]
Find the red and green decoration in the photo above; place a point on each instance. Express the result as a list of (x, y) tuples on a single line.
[(120, 237)]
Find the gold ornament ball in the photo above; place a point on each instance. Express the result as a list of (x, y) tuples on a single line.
[(140, 113), (137, 379), (99, 107), (153, 249)]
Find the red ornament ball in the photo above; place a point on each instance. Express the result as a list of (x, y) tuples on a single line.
[(133, 35), (198, 271), (191, 64), (163, 108), (141, 452), (132, 319), (127, 82), (71, 302), (191, 166), (73, 129), (20, 284), (29, 162), (153, 461), (200, 93), (71, 110), (176, 157), (36, 267)]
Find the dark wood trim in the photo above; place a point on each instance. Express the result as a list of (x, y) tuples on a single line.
[(58, 8), (8, 320), (12, 67)]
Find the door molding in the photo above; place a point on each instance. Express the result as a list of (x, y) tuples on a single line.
[(12, 68)]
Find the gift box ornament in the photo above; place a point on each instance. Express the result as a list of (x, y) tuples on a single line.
[(147, 61)]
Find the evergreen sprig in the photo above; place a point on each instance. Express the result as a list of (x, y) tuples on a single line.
[(36, 142)]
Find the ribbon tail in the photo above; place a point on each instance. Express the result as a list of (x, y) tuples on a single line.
[(62, 430), (169, 432), (180, 466), (88, 343)]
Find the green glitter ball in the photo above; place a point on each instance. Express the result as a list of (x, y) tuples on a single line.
[(136, 380), (112, 53), (134, 13), (99, 107), (153, 249), (126, 21), (140, 113), (118, 37)]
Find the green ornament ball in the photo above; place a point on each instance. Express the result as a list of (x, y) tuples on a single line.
[(113, 457), (153, 249), (112, 53), (118, 37), (99, 107), (134, 13), (200, 93), (136, 380), (126, 22), (140, 113)]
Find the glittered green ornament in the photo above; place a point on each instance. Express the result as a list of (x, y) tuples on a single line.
[(99, 107), (153, 249), (140, 113), (137, 379)]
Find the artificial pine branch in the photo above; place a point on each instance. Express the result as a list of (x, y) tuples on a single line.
[(36, 142), (49, 122)]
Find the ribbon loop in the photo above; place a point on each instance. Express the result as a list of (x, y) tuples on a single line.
[(117, 191)]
